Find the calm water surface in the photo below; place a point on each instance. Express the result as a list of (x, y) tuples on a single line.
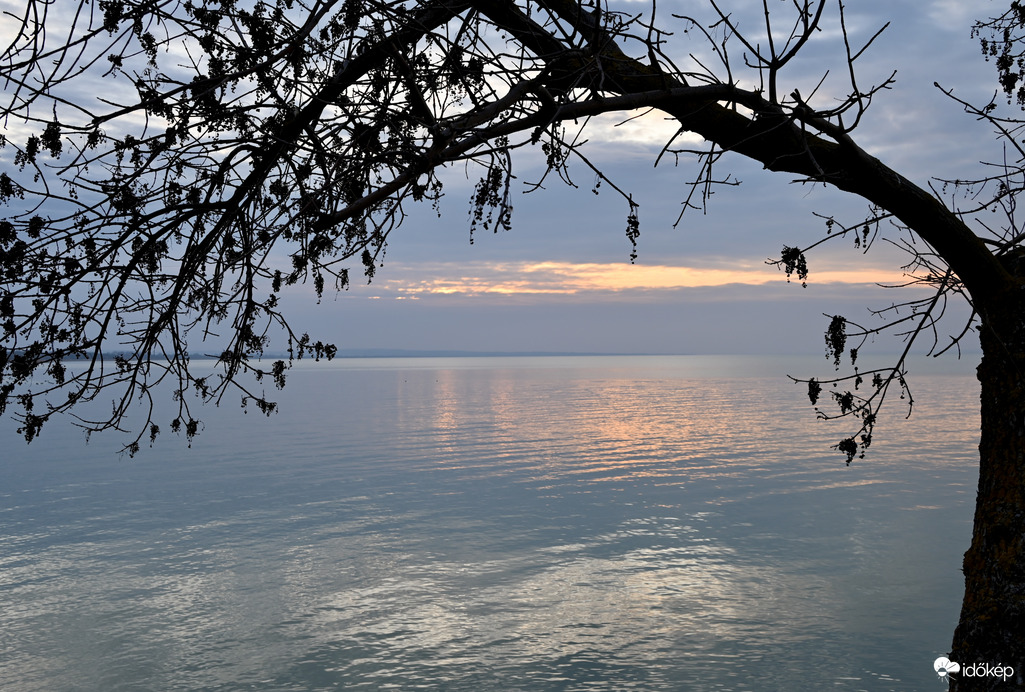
[(496, 524)]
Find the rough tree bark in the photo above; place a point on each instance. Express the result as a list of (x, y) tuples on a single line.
[(991, 628)]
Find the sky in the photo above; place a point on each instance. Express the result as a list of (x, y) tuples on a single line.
[(561, 279)]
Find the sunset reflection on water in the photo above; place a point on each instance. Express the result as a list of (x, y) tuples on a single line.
[(623, 523)]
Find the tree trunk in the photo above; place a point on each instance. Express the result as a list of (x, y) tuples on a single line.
[(990, 636)]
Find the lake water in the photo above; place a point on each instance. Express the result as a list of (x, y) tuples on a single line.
[(613, 523)]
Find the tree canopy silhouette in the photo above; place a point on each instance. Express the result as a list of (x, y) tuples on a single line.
[(235, 148)]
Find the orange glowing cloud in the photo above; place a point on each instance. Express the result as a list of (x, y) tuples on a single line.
[(526, 278)]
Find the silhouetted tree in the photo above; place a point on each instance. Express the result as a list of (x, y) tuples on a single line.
[(234, 148)]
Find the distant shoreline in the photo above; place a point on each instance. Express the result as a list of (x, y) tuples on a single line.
[(410, 353)]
